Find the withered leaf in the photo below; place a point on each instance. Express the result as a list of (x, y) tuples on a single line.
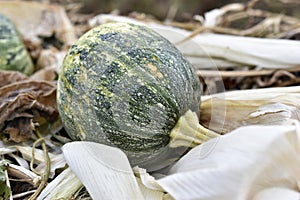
[(47, 74), (7, 77), (23, 103), (18, 129), (49, 61)]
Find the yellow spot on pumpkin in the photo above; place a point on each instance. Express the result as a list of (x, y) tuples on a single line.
[(154, 70), (159, 75), (81, 133)]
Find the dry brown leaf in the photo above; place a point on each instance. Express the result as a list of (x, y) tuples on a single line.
[(48, 64), (19, 130), (51, 58), (25, 104), (8, 77), (46, 74)]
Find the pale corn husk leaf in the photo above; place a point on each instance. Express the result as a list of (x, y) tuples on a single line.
[(21, 161), (230, 110), (6, 150), (277, 193), (31, 175), (57, 161), (239, 165), (242, 113), (257, 94), (200, 62), (150, 194), (106, 18), (62, 187), (147, 180), (276, 113), (213, 16), (149, 186), (26, 152), (105, 171), (237, 50), (260, 106)]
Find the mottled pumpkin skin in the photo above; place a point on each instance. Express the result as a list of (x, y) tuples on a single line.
[(124, 85), (13, 53)]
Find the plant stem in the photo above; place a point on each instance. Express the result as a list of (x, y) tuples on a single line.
[(45, 176), (189, 133)]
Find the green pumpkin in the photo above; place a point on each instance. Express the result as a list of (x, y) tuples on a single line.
[(13, 53), (126, 86)]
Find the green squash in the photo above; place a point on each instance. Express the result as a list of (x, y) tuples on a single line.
[(126, 86), (13, 53)]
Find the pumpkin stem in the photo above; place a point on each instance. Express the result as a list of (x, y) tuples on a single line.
[(188, 132)]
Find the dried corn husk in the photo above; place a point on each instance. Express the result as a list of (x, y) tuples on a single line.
[(57, 161), (247, 163), (237, 166), (62, 187), (227, 111), (105, 171), (31, 176)]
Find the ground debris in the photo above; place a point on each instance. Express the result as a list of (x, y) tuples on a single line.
[(23, 104)]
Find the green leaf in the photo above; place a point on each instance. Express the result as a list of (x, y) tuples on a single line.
[(4, 189)]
